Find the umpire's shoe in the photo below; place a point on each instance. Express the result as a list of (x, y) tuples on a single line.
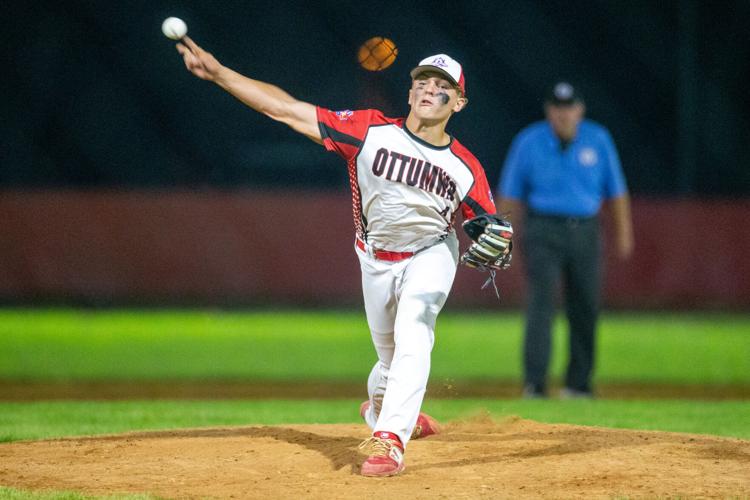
[(426, 425), (534, 391), (386, 455)]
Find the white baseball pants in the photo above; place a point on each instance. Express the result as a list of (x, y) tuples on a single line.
[(402, 301)]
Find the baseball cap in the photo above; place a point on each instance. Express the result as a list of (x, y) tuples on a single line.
[(446, 65), (563, 94)]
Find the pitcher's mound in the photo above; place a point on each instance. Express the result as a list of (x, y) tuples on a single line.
[(473, 459)]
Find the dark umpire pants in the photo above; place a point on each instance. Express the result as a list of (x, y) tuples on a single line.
[(570, 248)]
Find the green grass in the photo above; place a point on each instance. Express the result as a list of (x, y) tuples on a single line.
[(335, 345), (15, 494), (64, 344), (132, 345), (53, 419)]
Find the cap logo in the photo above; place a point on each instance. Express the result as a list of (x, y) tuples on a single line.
[(444, 64), (563, 91), (439, 62)]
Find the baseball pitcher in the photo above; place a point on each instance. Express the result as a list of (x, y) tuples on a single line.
[(409, 180)]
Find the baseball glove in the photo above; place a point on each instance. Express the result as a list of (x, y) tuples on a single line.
[(492, 242)]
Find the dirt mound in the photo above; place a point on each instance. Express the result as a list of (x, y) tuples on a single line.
[(476, 458)]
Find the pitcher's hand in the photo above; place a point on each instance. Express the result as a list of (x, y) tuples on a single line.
[(199, 62)]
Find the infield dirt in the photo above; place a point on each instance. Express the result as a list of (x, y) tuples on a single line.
[(469, 459)]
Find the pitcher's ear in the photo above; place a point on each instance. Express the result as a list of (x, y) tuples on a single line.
[(461, 103)]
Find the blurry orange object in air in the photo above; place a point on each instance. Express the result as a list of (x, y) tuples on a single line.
[(377, 53)]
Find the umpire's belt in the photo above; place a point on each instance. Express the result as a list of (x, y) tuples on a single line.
[(385, 254), (564, 219)]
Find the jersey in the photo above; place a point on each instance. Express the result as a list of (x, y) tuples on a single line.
[(570, 181), (406, 192)]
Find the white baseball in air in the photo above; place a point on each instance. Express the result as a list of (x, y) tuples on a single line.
[(174, 28)]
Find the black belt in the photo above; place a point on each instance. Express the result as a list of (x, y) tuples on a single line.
[(564, 219)]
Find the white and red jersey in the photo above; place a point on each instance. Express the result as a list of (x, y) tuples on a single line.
[(405, 191)]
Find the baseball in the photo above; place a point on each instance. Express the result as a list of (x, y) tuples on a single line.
[(377, 53), (174, 28)]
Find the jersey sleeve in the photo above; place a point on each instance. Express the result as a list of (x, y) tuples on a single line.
[(343, 131), (479, 199), (614, 181)]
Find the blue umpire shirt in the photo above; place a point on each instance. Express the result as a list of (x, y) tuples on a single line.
[(569, 182)]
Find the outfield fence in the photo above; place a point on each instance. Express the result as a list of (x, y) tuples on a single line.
[(284, 247)]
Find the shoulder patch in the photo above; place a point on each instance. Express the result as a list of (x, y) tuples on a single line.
[(588, 157), (344, 115)]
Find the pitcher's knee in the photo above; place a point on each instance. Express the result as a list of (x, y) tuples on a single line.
[(423, 308)]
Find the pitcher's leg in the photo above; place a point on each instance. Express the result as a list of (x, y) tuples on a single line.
[(379, 292), (378, 379), (424, 288)]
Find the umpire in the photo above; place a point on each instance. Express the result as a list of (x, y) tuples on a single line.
[(562, 169)]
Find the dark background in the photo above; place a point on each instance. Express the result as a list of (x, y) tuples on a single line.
[(94, 96)]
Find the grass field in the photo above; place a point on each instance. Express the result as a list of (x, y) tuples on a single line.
[(51, 419), (82, 345), (132, 345), (335, 345), (15, 494)]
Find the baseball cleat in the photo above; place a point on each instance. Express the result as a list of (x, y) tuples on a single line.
[(426, 425), (363, 408), (386, 455)]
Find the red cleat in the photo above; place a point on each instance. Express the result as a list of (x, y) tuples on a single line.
[(386, 455), (363, 408), (426, 425)]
